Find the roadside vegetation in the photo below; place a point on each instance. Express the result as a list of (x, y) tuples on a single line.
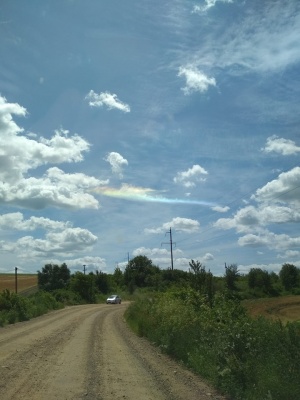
[(209, 323)]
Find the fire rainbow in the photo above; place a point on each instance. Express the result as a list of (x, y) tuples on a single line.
[(133, 193)]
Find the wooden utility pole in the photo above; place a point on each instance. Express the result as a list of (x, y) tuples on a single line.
[(16, 280), (171, 246)]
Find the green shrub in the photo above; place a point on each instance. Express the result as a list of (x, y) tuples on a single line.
[(249, 359)]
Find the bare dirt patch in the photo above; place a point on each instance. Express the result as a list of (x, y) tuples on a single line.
[(88, 352)]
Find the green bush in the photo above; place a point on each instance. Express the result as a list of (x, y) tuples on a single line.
[(249, 359), (15, 308)]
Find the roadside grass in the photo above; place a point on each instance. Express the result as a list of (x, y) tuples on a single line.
[(246, 358)]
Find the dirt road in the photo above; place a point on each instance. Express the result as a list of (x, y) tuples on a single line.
[(88, 352)]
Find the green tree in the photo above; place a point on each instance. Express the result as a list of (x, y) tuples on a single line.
[(140, 272), (118, 277), (54, 277), (102, 282), (231, 276), (258, 278), (289, 276), (84, 285), (201, 280)]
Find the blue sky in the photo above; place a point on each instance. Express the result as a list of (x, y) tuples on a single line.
[(122, 119)]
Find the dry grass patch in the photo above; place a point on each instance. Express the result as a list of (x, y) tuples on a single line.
[(25, 282), (285, 308)]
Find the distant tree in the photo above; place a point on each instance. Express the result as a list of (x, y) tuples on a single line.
[(289, 276), (54, 277), (201, 280), (231, 276), (84, 285), (258, 278), (118, 277), (102, 282), (197, 270), (140, 272)]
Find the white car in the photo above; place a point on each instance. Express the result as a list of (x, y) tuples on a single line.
[(114, 299)]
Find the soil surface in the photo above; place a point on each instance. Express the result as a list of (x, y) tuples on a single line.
[(88, 352)]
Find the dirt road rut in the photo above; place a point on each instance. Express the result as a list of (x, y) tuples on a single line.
[(88, 352)]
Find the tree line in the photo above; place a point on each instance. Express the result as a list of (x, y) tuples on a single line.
[(141, 274)]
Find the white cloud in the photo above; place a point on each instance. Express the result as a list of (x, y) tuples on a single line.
[(64, 243), (178, 224), (16, 221), (117, 162), (107, 99), (91, 263), (286, 188), (270, 240), (208, 257), (208, 4), (188, 178), (282, 146), (220, 209), (20, 153), (265, 41), (196, 81), (252, 218)]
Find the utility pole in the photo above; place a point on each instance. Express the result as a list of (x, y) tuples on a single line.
[(16, 280), (171, 246), (84, 265)]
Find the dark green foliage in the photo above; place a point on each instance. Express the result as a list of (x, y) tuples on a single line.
[(84, 286), (289, 276), (118, 277), (249, 359), (140, 272), (15, 308), (257, 278), (201, 280), (53, 277), (231, 276), (102, 282)]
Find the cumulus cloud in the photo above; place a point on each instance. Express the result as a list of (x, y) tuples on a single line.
[(196, 81), (277, 203), (107, 99), (64, 243), (21, 153), (161, 256), (91, 263), (251, 217), (117, 162), (286, 188), (271, 240), (192, 175), (282, 146), (208, 4), (208, 257), (178, 224), (16, 221)]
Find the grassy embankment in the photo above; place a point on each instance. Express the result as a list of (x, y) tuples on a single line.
[(245, 357)]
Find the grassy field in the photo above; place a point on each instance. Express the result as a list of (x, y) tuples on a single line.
[(25, 282), (286, 308)]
